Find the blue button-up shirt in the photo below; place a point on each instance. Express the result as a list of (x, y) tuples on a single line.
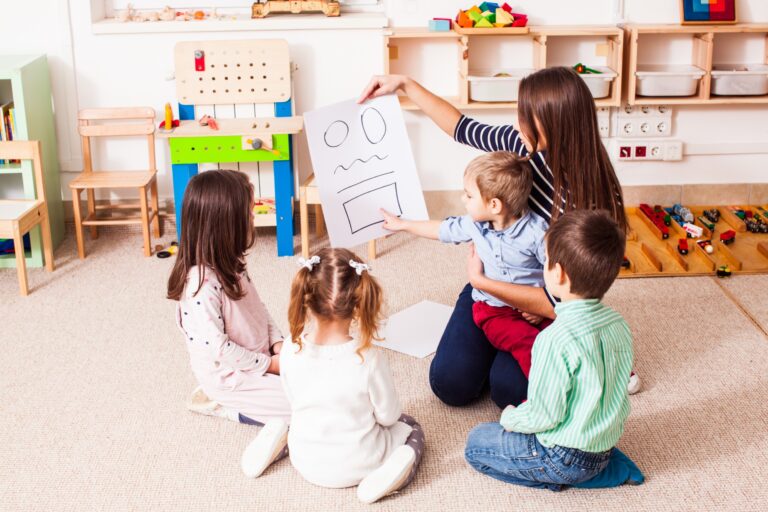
[(515, 255)]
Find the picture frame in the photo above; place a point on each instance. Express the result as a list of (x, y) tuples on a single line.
[(707, 12)]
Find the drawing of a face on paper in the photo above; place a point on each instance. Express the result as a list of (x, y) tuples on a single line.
[(363, 163)]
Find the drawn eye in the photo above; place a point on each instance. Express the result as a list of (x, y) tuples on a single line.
[(336, 134), (374, 126)]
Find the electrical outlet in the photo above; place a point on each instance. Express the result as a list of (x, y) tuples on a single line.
[(604, 121), (647, 150), (644, 121)]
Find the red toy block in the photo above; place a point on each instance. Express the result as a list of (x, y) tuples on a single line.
[(507, 8)]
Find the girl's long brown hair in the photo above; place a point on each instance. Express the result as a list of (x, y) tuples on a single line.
[(332, 290), (583, 174), (216, 231)]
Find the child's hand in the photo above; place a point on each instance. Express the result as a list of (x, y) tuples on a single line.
[(475, 269), (391, 222), (532, 319), (274, 365), (277, 347)]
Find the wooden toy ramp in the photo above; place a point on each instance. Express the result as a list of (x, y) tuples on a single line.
[(650, 254)]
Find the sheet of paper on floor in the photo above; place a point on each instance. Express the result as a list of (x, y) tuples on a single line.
[(416, 330)]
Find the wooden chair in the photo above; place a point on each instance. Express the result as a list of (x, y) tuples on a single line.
[(116, 122), (309, 194), (19, 216)]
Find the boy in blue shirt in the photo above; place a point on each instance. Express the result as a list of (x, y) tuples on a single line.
[(509, 239)]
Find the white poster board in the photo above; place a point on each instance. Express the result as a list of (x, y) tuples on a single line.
[(416, 330), (363, 162)]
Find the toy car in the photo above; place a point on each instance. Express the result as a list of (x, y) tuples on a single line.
[(705, 221), (657, 217), (756, 225), (683, 212), (706, 245), (724, 271), (728, 237), (693, 230), (712, 214), (682, 246), (625, 263)]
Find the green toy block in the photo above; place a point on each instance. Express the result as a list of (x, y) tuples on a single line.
[(484, 23), (198, 150), (475, 16), (491, 17)]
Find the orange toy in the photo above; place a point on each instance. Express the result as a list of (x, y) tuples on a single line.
[(199, 15), (463, 20)]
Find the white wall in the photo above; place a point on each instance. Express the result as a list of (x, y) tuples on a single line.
[(132, 69)]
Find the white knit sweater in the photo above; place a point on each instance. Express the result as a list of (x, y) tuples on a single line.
[(344, 411)]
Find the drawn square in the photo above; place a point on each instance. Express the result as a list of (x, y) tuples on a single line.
[(362, 211)]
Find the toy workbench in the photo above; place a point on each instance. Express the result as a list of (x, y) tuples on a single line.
[(231, 73), (696, 240)]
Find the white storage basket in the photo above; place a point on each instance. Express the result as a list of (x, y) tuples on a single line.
[(484, 86), (740, 80), (663, 80)]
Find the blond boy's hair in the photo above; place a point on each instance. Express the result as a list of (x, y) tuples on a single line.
[(504, 176)]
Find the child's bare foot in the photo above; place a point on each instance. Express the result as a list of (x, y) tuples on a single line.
[(269, 446), (389, 477)]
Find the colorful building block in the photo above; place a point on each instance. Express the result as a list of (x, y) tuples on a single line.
[(439, 25), (463, 20), (503, 18), (507, 8), (476, 16), (483, 23), (491, 17)]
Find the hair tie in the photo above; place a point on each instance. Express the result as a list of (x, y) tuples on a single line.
[(359, 267), (310, 263)]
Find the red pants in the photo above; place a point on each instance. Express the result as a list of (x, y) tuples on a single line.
[(507, 330)]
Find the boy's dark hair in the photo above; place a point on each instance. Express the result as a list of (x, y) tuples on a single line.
[(589, 245), (505, 176), (216, 231)]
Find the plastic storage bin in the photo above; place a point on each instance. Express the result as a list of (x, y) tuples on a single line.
[(484, 86), (600, 84), (661, 80), (740, 79)]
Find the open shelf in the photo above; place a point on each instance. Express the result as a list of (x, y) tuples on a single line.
[(708, 46), (410, 51)]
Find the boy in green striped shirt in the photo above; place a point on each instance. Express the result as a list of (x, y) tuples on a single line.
[(577, 393)]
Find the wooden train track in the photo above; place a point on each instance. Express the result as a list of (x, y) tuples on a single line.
[(652, 255)]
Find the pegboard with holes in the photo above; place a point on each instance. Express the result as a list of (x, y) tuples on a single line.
[(232, 72)]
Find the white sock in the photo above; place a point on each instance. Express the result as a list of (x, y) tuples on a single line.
[(389, 477)]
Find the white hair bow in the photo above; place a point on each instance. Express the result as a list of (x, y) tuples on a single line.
[(310, 263), (359, 267)]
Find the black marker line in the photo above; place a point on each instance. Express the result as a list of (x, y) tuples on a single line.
[(369, 179), (359, 160), (365, 132)]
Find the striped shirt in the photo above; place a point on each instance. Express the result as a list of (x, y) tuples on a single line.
[(506, 138), (577, 392)]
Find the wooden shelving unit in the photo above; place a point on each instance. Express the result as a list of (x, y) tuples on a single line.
[(610, 48), (25, 81), (704, 40)]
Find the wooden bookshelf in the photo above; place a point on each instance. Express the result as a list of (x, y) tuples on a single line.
[(704, 43), (609, 47), (25, 81)]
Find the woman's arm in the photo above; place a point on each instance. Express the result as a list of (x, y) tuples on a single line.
[(445, 115), (525, 298)]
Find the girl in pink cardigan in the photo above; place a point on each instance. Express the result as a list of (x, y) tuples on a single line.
[(232, 340)]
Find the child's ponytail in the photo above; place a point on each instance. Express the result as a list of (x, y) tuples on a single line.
[(368, 312), (297, 309)]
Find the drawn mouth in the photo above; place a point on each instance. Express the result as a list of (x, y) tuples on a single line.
[(358, 160)]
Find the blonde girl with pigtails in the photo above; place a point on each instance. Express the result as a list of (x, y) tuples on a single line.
[(347, 426)]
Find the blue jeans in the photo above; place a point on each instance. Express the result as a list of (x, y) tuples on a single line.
[(466, 363), (520, 459)]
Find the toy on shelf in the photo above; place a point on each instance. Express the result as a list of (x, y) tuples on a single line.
[(657, 219), (584, 70), (490, 15), (692, 230), (261, 9), (706, 223), (209, 121), (264, 206), (706, 245), (728, 237), (713, 214), (440, 24), (169, 123), (625, 264), (682, 246)]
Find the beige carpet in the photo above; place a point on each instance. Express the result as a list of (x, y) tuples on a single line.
[(94, 375)]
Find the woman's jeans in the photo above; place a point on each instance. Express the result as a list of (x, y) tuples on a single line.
[(520, 459)]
